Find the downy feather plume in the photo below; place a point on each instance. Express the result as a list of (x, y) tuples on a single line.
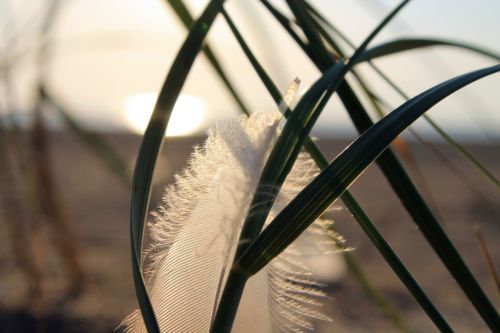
[(195, 233)]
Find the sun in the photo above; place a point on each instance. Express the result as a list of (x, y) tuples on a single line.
[(187, 116)]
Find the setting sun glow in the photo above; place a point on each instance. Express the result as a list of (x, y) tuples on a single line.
[(187, 116)]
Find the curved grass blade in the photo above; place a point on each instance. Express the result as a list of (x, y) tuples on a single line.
[(392, 259), (150, 146), (333, 180), (266, 80), (277, 167), (273, 175), (401, 271), (301, 121), (316, 48), (412, 200), (300, 12), (347, 198), (286, 24), (401, 45), (407, 44), (465, 153), (185, 16), (361, 49), (399, 144), (347, 167), (458, 147)]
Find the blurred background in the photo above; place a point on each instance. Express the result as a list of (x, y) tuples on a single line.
[(79, 78)]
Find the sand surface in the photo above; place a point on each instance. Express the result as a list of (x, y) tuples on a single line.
[(97, 206)]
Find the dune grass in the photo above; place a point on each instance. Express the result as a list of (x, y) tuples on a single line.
[(371, 146), (324, 44)]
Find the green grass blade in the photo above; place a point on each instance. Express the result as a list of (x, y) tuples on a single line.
[(458, 147), (348, 199), (468, 156), (266, 80), (301, 121), (407, 44), (413, 201), (375, 32), (150, 147), (401, 45), (420, 212), (186, 18), (452, 142), (375, 295), (332, 181), (398, 267), (288, 146), (318, 48), (286, 24), (279, 164), (373, 98), (389, 255)]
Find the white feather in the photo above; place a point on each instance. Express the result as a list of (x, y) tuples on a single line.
[(195, 233)]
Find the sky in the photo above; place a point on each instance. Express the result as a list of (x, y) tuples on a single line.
[(109, 58)]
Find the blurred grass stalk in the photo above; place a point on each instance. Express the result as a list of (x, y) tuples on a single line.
[(18, 218), (50, 204), (35, 187)]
